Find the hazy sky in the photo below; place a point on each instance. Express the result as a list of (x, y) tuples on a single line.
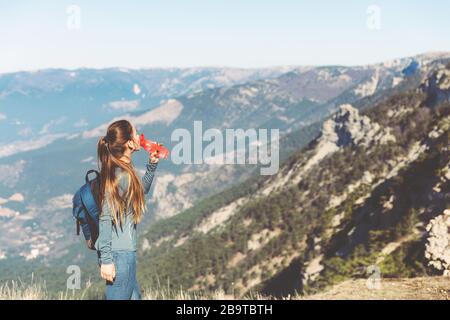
[(239, 33)]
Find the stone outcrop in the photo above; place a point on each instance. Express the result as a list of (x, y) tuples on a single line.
[(437, 249), (348, 127), (437, 84)]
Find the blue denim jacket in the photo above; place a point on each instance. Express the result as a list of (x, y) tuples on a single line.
[(112, 237)]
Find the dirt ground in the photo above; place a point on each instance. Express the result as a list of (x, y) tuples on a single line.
[(429, 288)]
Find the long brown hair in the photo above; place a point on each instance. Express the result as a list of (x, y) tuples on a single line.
[(110, 149)]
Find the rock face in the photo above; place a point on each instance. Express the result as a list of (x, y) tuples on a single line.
[(348, 127), (437, 250), (437, 84)]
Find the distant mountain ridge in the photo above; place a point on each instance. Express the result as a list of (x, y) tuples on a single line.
[(68, 101)]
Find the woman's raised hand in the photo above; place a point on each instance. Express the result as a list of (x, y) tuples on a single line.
[(153, 157)]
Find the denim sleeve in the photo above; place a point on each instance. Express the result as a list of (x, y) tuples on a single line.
[(105, 235), (147, 178)]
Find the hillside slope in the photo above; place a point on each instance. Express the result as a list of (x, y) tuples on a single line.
[(30, 167), (360, 195)]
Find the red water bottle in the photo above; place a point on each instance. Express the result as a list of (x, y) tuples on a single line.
[(151, 146)]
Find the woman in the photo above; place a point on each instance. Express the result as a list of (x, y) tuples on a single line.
[(122, 205)]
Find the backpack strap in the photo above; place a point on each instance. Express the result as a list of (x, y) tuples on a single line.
[(87, 197), (91, 171)]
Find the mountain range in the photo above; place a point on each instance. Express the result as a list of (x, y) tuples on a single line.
[(362, 150), (369, 193)]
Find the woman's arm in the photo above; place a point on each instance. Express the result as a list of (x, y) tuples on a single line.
[(105, 234), (107, 268), (147, 178)]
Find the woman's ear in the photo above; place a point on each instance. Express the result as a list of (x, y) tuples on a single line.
[(130, 144)]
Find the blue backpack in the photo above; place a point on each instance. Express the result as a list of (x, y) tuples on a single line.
[(85, 208)]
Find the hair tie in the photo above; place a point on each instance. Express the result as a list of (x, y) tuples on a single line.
[(105, 140)]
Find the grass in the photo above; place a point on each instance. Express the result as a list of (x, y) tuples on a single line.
[(424, 288), (36, 290), (20, 290)]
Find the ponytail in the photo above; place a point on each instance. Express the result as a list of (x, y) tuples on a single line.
[(108, 160)]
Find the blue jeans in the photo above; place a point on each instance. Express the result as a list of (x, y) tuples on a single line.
[(125, 285)]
